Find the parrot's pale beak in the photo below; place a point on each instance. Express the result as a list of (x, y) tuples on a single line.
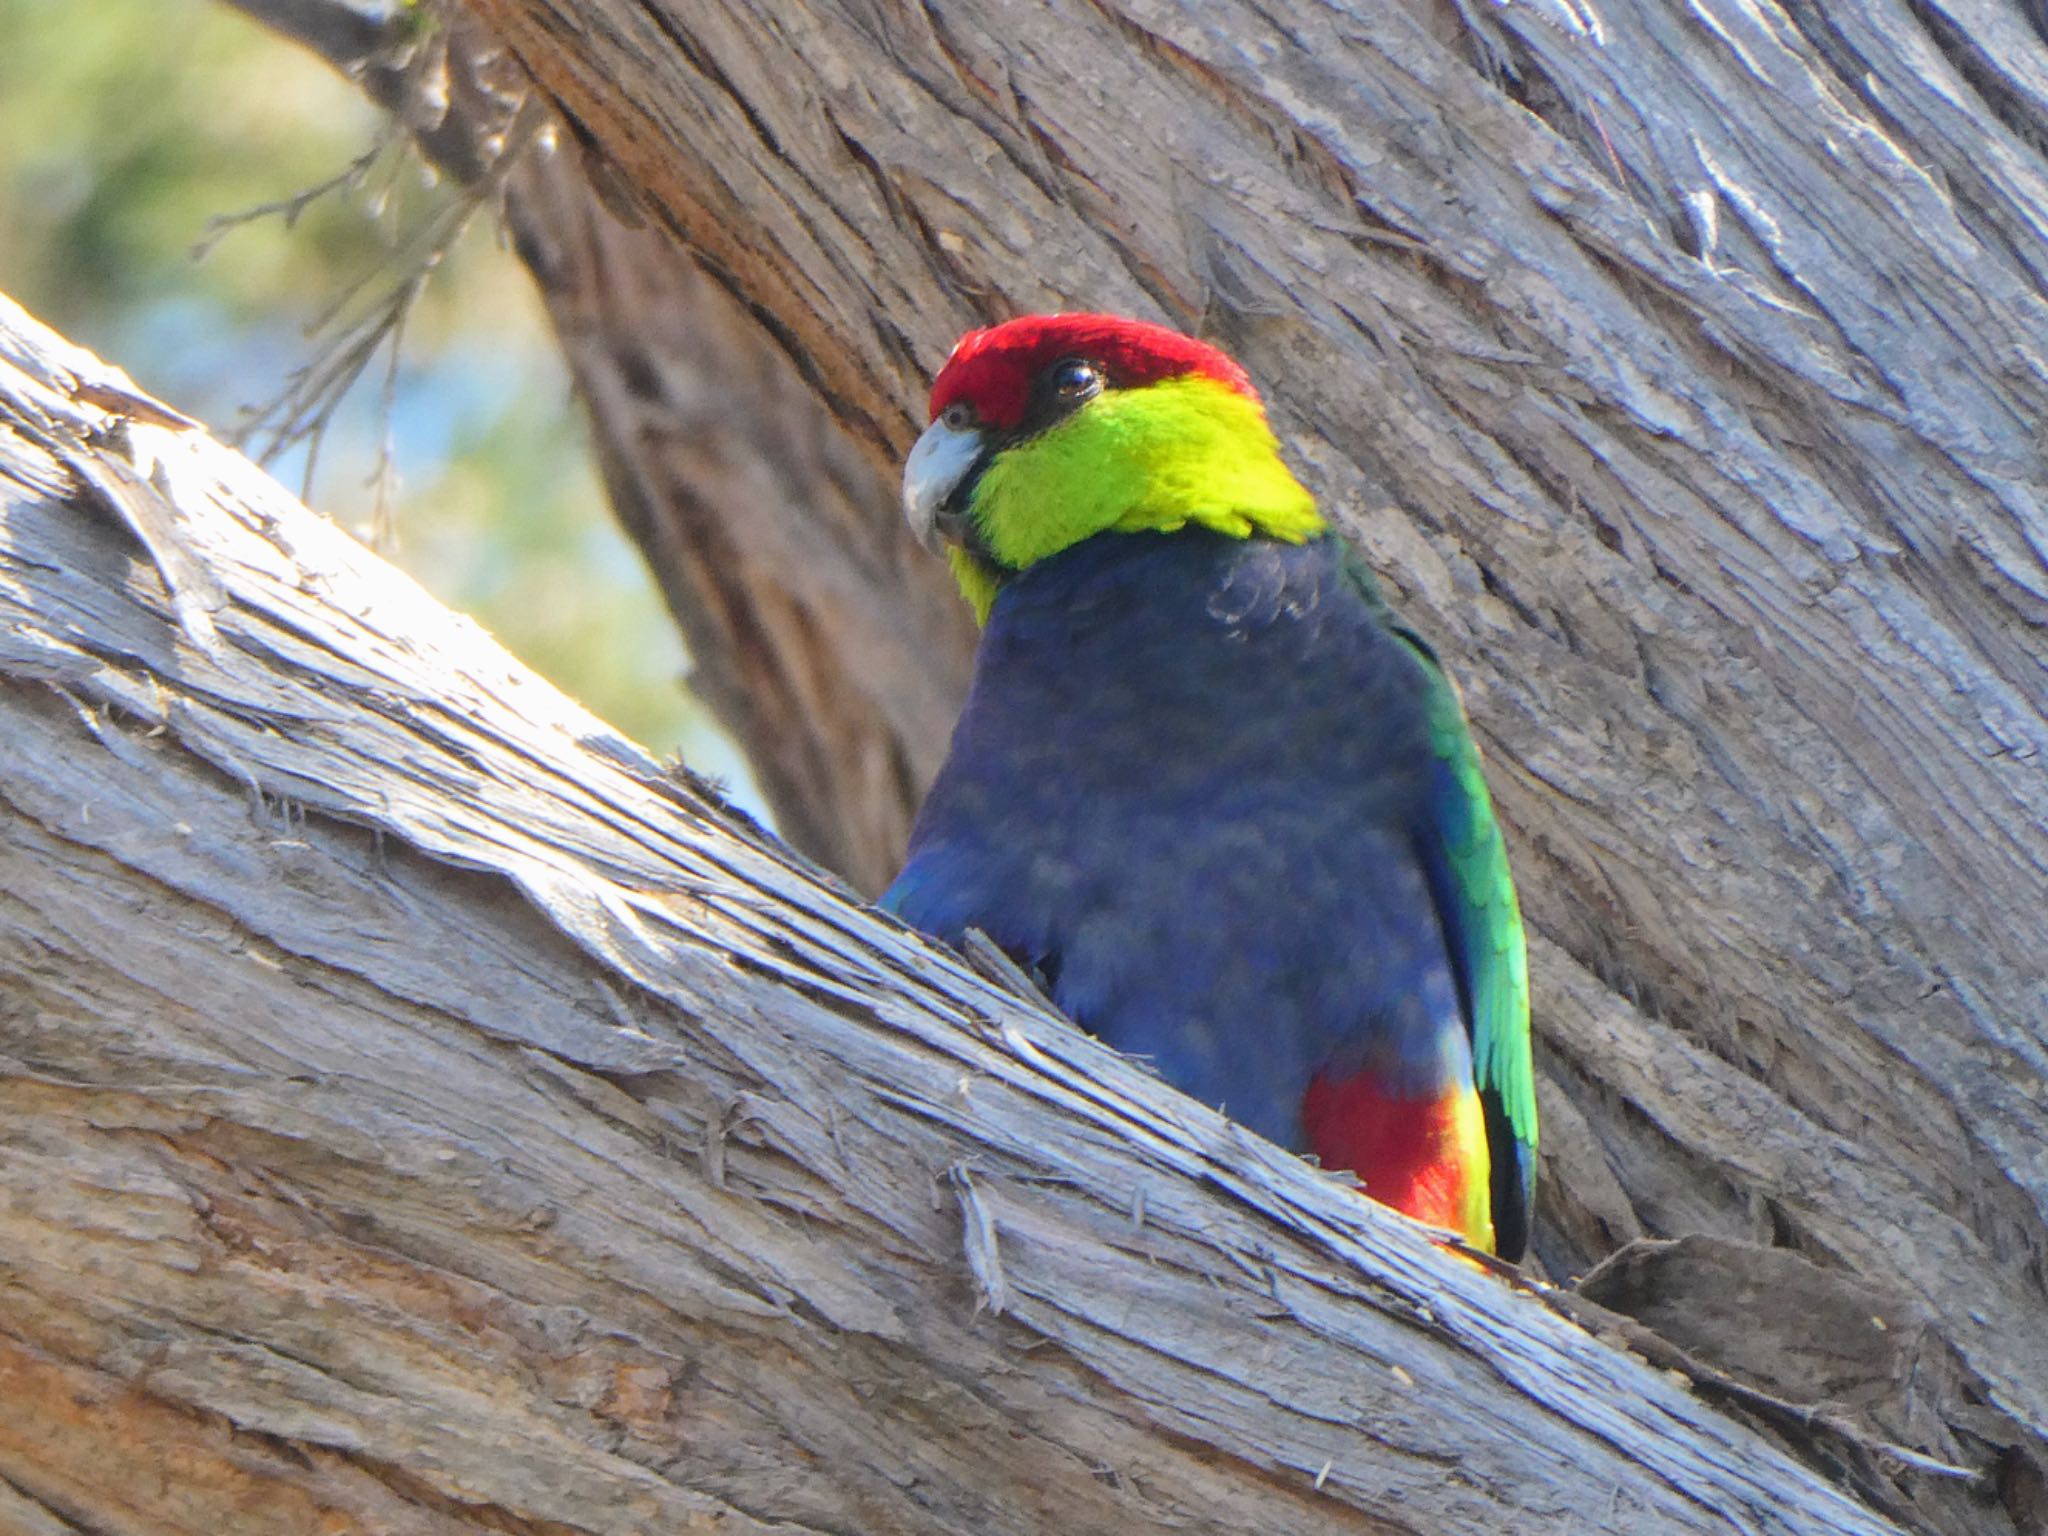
[(939, 466)]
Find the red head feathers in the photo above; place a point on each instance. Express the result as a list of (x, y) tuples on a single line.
[(993, 370)]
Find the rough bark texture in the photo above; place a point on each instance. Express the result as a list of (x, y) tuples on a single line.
[(1681, 367), (420, 1114)]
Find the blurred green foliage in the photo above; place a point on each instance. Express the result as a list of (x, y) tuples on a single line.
[(126, 126)]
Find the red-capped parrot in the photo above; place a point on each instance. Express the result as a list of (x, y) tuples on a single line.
[(1205, 784)]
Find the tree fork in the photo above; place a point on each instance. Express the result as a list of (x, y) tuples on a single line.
[(1678, 366), (820, 635)]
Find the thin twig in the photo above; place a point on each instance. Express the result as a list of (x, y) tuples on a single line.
[(371, 311)]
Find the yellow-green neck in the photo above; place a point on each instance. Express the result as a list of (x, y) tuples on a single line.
[(1184, 451)]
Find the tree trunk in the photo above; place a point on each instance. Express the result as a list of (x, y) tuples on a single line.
[(421, 1114)]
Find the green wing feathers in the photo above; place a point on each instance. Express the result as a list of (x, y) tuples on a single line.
[(1496, 956), (1467, 861), (1483, 920)]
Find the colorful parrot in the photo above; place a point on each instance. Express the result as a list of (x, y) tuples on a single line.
[(1205, 785)]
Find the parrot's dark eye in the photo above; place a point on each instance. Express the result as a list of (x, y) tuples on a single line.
[(1075, 378), (957, 417)]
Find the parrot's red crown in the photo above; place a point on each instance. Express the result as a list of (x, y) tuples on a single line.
[(993, 370)]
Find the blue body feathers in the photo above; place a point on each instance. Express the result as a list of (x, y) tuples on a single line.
[(1197, 785)]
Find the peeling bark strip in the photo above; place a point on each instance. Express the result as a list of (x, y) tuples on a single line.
[(370, 1009)]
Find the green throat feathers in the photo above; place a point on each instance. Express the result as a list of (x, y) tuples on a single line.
[(1155, 459)]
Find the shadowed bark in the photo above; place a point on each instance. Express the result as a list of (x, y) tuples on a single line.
[(824, 640)]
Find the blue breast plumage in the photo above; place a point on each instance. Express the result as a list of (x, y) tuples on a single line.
[(1192, 787)]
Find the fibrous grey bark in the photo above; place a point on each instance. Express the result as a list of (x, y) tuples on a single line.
[(420, 1113), (1681, 368)]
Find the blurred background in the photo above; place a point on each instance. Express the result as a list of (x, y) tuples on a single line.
[(127, 127)]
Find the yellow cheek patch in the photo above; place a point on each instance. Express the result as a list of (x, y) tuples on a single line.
[(1184, 451)]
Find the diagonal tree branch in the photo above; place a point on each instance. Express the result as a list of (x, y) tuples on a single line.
[(421, 1113)]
